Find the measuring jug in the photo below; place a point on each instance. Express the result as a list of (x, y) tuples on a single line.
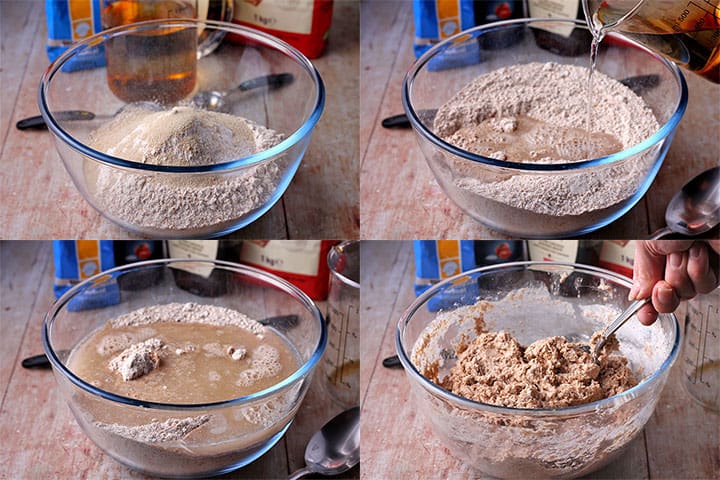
[(341, 363), (685, 32), (701, 349), (158, 64)]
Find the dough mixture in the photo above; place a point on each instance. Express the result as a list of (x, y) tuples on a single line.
[(494, 368), (550, 373)]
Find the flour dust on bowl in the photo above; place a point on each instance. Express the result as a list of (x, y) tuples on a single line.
[(508, 436), (174, 384), (501, 115), (159, 160)]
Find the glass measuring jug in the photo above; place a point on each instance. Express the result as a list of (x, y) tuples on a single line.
[(686, 32), (341, 363), (159, 64), (701, 349)]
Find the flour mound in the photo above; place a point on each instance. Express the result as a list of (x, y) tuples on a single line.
[(189, 313), (552, 93), (538, 113), (182, 136)]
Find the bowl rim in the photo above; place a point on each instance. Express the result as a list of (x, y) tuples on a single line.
[(666, 130), (460, 401), (255, 36), (303, 371)]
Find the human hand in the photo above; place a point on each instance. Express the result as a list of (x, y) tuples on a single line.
[(670, 271)]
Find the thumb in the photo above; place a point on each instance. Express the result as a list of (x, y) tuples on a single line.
[(649, 266)]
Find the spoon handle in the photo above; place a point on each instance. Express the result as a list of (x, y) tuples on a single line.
[(37, 122), (272, 81), (300, 473), (619, 322), (661, 233)]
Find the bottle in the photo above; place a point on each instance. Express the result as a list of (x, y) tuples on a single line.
[(130, 251), (494, 11), (687, 33), (585, 252), (202, 279), (564, 40), (493, 252)]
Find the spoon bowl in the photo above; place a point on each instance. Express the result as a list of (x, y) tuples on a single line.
[(695, 209), (335, 448), (617, 323)]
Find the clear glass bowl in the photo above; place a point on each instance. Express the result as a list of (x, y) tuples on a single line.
[(201, 200), (534, 300), (267, 414), (450, 65)]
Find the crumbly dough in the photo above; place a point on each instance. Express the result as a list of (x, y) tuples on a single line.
[(550, 373), (137, 360)]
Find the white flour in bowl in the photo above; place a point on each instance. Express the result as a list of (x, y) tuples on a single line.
[(182, 136), (537, 113)]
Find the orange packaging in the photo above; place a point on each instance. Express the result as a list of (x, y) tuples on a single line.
[(304, 24)]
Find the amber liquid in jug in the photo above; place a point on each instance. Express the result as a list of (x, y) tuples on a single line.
[(686, 32), (159, 65)]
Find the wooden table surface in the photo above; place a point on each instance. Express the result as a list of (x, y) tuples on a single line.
[(39, 201), (680, 441), (40, 438), (399, 195)]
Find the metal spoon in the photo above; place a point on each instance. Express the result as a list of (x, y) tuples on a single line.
[(211, 100), (217, 101), (695, 209), (616, 324), (335, 448)]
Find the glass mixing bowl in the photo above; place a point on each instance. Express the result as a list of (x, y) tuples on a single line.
[(535, 300), (182, 201), (473, 181), (261, 418)]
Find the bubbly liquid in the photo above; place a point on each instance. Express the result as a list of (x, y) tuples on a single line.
[(685, 32), (157, 66), (195, 366)]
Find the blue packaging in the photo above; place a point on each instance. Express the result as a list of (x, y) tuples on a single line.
[(436, 20), (69, 21), (78, 260), (436, 260)]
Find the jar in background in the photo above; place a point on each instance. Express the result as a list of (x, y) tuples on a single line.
[(158, 65), (201, 279), (561, 39), (341, 362), (701, 349), (130, 251)]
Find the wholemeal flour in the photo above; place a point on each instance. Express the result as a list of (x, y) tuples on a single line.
[(537, 113), (182, 136)]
